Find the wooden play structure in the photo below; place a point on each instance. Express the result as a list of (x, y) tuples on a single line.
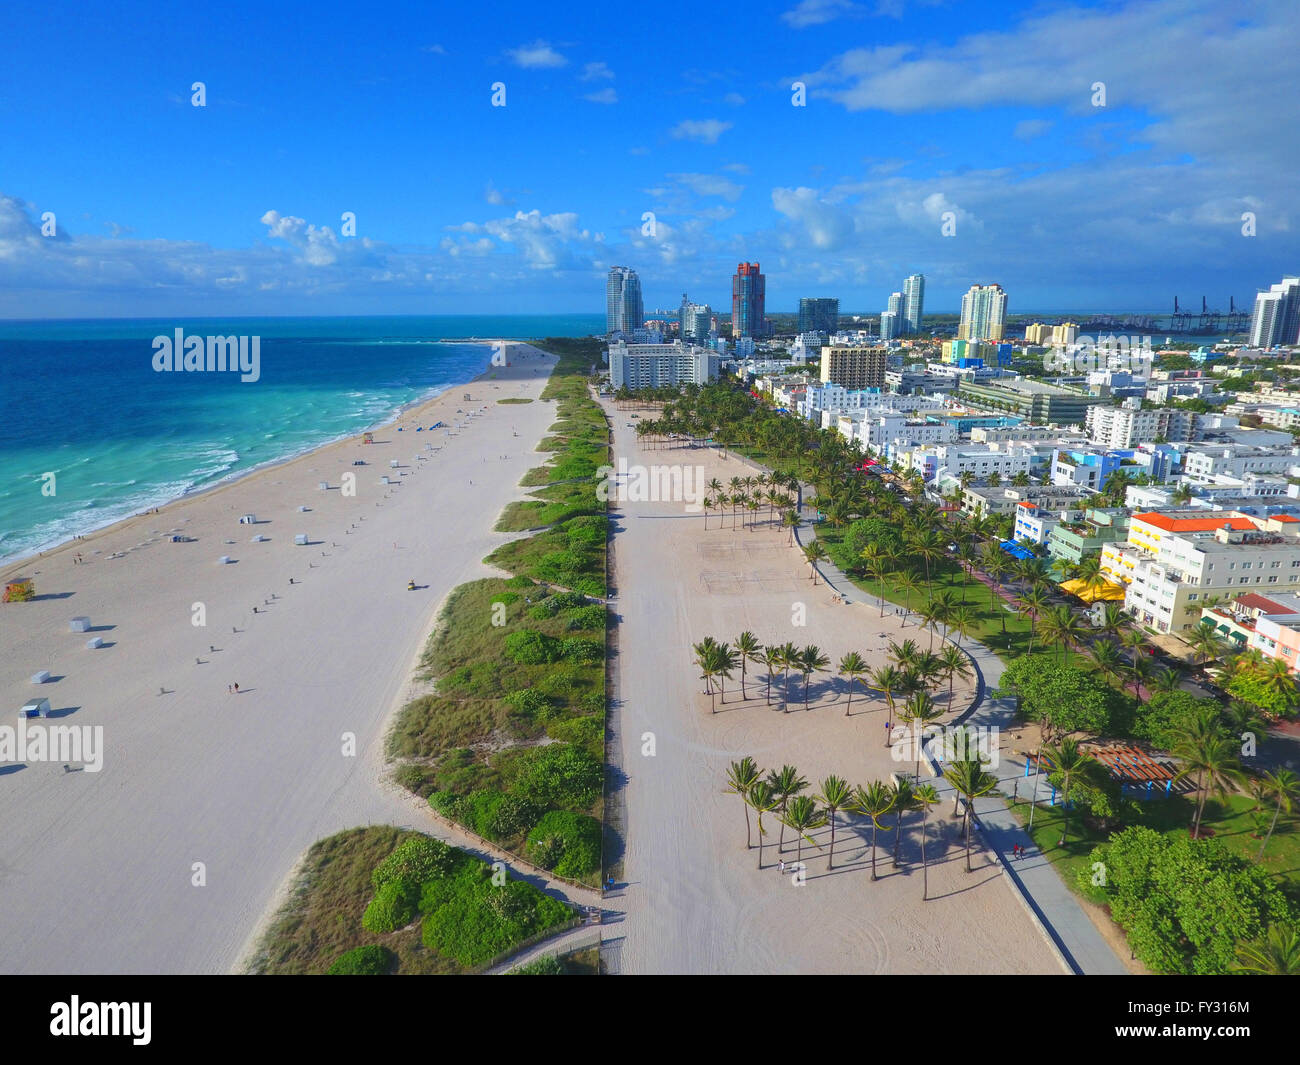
[(20, 590)]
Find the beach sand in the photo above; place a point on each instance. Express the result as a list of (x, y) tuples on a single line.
[(167, 859), (693, 898)]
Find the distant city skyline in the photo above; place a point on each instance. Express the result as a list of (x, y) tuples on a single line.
[(203, 169)]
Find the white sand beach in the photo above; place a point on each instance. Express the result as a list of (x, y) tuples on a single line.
[(693, 898), (98, 869)]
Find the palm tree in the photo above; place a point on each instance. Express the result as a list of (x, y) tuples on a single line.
[(771, 662), (747, 650), (937, 612), (962, 621), (1070, 761), (873, 801), (887, 680), (1034, 601), (904, 799), (762, 799), (1107, 658), (706, 657), (929, 546), (1166, 679), (955, 664), (918, 712), (801, 817), (905, 581), (814, 553), (789, 658), (835, 795), (1284, 787), (1275, 954), (905, 653), (810, 661), (724, 661), (790, 520), (1240, 719), (1213, 758), (1142, 669), (925, 797), (741, 776), (970, 780), (853, 666), (1112, 619), (785, 785), (1062, 628)]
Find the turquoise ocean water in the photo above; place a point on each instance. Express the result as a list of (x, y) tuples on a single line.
[(81, 400)]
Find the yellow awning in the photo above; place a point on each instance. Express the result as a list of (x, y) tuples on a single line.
[(1106, 592)]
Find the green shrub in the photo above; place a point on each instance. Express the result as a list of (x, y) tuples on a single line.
[(576, 649), (546, 965), (393, 907), (566, 842), (586, 732), (519, 582), (559, 774), (417, 859), (372, 960), (531, 703), (507, 598), (587, 617), (532, 648)]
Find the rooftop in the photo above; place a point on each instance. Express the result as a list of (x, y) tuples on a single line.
[(1168, 523)]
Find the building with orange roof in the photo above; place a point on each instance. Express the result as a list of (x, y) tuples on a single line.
[(1173, 560)]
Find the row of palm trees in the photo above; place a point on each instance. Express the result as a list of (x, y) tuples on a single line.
[(749, 494), (781, 792)]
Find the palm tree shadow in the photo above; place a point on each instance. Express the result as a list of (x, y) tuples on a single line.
[(969, 887)]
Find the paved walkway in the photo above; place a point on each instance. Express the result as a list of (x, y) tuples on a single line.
[(1082, 948)]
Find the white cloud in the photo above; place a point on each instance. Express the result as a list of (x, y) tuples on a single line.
[(825, 225), (706, 131), (535, 56), (595, 72), (734, 99), (1031, 129), (815, 12), (606, 95), (737, 168), (543, 240), (1040, 62), (317, 245), (709, 185), (434, 49)]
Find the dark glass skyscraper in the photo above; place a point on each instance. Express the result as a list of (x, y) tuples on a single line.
[(748, 295), (819, 315)]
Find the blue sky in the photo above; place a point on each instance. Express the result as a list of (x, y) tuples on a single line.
[(917, 111)]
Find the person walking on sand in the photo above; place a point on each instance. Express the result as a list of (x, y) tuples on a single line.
[(236, 688)]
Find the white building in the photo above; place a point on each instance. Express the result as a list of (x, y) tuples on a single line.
[(1173, 560), (635, 366), (1126, 427), (1207, 462)]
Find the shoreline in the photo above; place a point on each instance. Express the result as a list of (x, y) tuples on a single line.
[(323, 638), (11, 566)]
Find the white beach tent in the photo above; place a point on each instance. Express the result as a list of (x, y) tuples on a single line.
[(79, 625), (35, 708), (300, 539)]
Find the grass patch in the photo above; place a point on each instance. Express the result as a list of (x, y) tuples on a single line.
[(511, 745), (516, 399), (1230, 819), (456, 919)]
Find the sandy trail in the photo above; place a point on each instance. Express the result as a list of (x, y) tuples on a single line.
[(694, 899), (98, 868)]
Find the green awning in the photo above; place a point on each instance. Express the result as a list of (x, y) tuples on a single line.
[(1208, 621), (1240, 637)]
